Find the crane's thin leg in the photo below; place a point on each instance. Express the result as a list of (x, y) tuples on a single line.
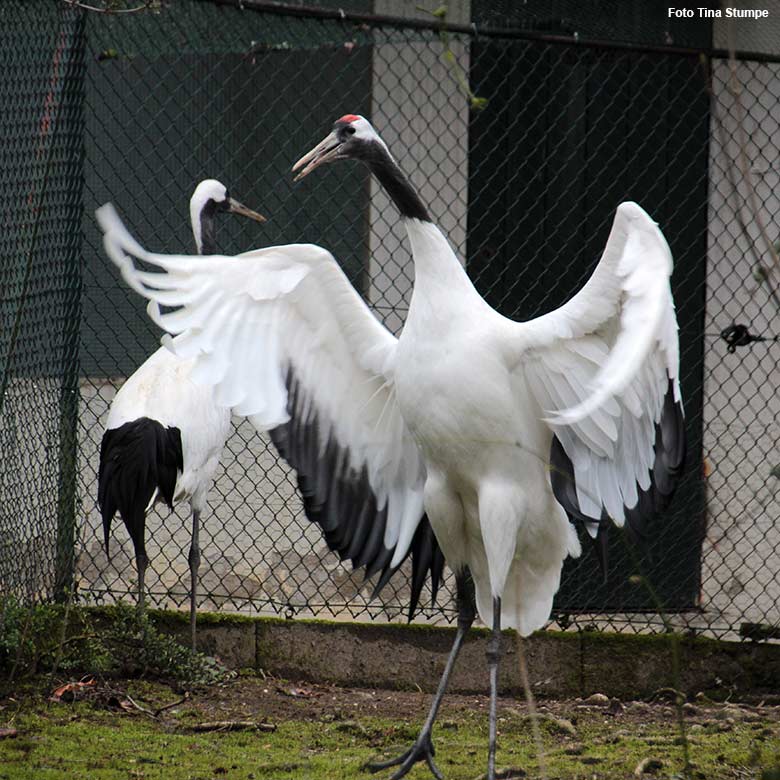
[(493, 654), (194, 560), (141, 562), (422, 749)]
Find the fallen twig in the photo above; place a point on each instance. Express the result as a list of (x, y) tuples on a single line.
[(233, 725), (170, 706), (139, 707)]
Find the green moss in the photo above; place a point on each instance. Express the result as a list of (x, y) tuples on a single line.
[(182, 619), (63, 741)]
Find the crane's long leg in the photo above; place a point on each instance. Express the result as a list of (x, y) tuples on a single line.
[(141, 562), (493, 654), (422, 749), (194, 561)]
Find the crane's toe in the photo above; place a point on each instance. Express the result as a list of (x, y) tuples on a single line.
[(421, 750)]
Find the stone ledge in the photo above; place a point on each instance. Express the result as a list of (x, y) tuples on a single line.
[(560, 664)]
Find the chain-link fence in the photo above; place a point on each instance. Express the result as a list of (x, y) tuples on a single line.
[(522, 147), (41, 163)]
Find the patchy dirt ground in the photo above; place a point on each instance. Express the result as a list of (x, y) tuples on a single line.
[(272, 728)]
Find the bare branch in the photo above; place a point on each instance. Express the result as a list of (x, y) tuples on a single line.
[(146, 6)]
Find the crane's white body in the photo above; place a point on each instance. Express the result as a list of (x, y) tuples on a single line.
[(487, 489), (162, 389), (457, 416)]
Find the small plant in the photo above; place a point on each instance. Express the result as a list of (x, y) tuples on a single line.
[(140, 648), (32, 640), (118, 640)]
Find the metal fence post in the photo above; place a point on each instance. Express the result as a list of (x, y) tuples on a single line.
[(70, 126)]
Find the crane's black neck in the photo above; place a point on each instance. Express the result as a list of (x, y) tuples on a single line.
[(393, 179), (208, 240)]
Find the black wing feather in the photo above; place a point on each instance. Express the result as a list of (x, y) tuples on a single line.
[(668, 464), (340, 500)]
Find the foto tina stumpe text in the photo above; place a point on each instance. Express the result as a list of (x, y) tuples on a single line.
[(717, 13)]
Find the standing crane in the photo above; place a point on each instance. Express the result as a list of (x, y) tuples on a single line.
[(165, 434), (498, 431)]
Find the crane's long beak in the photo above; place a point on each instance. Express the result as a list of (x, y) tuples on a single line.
[(240, 208), (325, 151)]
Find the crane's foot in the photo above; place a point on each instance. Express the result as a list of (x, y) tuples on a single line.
[(421, 750)]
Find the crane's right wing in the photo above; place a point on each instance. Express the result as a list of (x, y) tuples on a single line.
[(285, 340), (604, 369)]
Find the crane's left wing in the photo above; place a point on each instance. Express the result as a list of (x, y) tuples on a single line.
[(604, 371), (285, 340)]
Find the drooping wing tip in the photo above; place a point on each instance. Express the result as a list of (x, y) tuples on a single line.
[(108, 220), (630, 209), (120, 246), (111, 225), (106, 217)]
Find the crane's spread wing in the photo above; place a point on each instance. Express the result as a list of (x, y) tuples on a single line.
[(604, 370), (286, 341)]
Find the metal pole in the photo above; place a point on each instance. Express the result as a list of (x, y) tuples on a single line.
[(70, 126)]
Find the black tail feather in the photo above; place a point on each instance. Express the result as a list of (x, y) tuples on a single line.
[(136, 459), (424, 549), (437, 571), (386, 576)]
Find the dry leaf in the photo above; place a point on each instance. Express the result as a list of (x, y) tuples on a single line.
[(69, 691)]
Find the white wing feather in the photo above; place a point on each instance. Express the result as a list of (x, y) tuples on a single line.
[(600, 365), (246, 320)]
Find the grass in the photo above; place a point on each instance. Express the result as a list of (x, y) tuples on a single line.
[(87, 740)]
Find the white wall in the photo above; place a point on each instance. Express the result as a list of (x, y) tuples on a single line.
[(742, 390)]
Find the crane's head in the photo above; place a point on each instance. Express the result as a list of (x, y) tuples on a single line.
[(211, 196), (352, 137)]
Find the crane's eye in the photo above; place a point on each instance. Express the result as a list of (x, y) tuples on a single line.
[(349, 130)]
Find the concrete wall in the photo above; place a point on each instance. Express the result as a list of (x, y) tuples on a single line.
[(29, 447), (741, 399), (559, 664)]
